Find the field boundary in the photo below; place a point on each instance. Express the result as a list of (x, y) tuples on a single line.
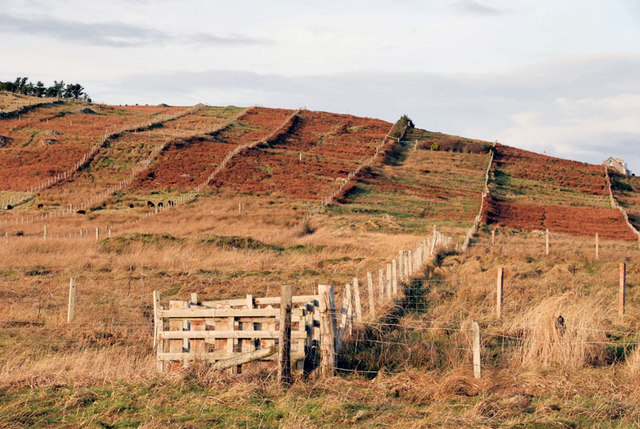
[(615, 205), (88, 156), (485, 194)]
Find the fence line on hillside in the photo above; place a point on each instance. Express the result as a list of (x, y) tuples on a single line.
[(239, 335), (141, 167), (351, 175), (24, 108), (193, 194), (473, 230), (615, 205), (88, 156)]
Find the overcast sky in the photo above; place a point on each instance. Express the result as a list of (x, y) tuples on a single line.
[(561, 76)]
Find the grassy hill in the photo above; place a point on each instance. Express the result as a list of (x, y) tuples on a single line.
[(248, 230)]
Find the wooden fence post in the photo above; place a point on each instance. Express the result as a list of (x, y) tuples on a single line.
[(405, 263), (372, 301), (356, 299), (475, 330), (97, 233), (156, 320), (72, 299), (401, 265), (597, 246), (381, 284), (499, 292), (389, 284), (344, 315), (327, 331), (493, 238), (284, 338), (158, 327), (394, 275), (547, 242), (622, 289), (44, 232)]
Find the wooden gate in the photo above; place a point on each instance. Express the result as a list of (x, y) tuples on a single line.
[(233, 332)]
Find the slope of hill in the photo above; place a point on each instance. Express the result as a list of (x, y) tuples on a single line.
[(250, 231), (536, 192)]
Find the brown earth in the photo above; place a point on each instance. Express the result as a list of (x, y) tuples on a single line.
[(188, 163), (50, 139), (522, 164), (608, 223), (331, 146)]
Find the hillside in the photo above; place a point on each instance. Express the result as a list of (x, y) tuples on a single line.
[(226, 202)]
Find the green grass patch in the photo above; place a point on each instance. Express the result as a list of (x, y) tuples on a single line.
[(122, 242)]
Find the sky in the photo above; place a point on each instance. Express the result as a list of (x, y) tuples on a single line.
[(554, 76)]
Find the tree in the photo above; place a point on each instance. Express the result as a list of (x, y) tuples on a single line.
[(39, 89), (22, 86)]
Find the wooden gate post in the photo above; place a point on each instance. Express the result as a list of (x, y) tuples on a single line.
[(327, 331), (475, 330), (499, 292), (72, 299), (622, 287), (372, 301), (156, 319), (284, 338)]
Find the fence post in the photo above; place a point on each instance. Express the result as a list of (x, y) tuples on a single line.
[(493, 238), (475, 330), (97, 233), (400, 265), (44, 232), (499, 292), (372, 301), (356, 298), (72, 299), (156, 322), (284, 338), (381, 284), (327, 331), (394, 274), (389, 284), (597, 246), (621, 292), (344, 315), (547, 242)]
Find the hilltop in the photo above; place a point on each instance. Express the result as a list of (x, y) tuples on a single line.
[(226, 202)]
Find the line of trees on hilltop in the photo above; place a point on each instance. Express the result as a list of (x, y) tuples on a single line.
[(22, 85)]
